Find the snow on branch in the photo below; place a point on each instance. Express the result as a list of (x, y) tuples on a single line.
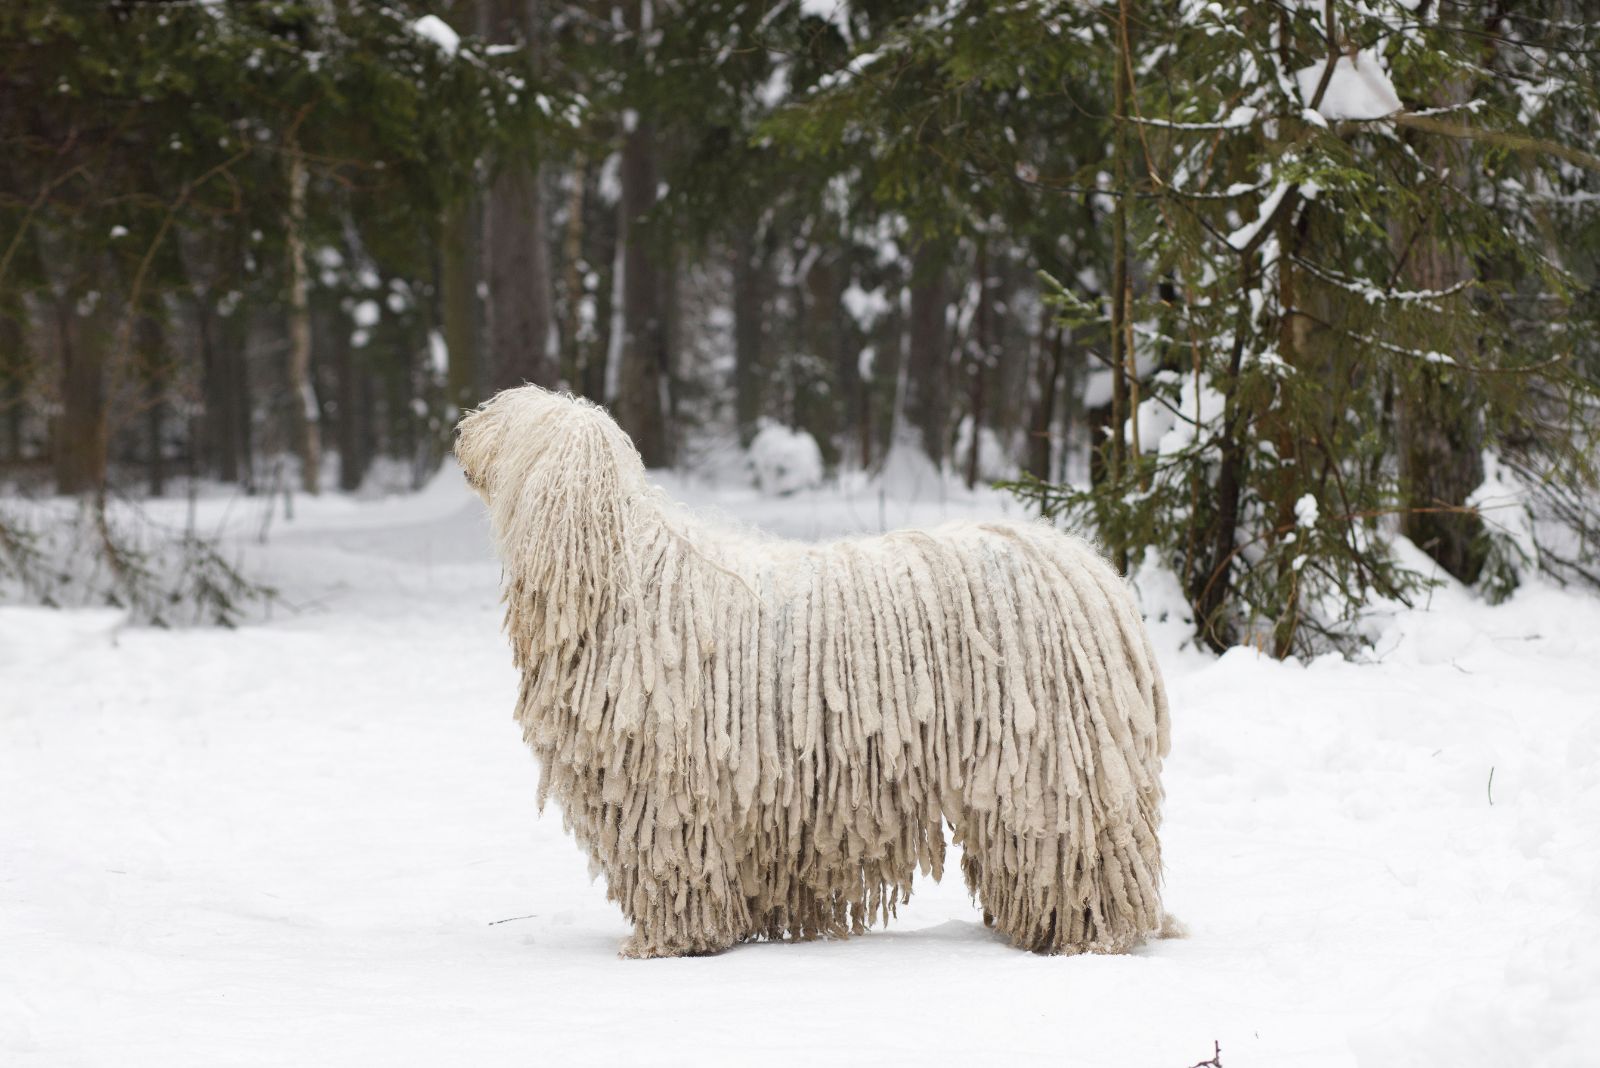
[(1243, 237), (1359, 87), (435, 29)]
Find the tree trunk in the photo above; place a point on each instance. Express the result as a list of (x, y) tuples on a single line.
[(1015, 343), (670, 301), (602, 251), (217, 429), (352, 430), (1292, 331), (1441, 433), (1209, 589), (846, 393), (570, 321), (819, 403), (1441, 463), (517, 273), (927, 402), (1041, 424), (1121, 150), (750, 283), (458, 288), (640, 375), (236, 337), (150, 340), (519, 328), (81, 428), (13, 364), (887, 389), (303, 399)]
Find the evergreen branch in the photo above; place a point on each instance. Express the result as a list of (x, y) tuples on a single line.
[(1430, 357), (1516, 142), (33, 209), (1370, 292)]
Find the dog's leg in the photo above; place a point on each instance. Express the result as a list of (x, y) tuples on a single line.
[(1052, 894), (677, 885), (691, 923)]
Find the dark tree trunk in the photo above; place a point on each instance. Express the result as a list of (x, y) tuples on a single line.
[(885, 400), (568, 321), (927, 402), (517, 273), (670, 301), (367, 417), (643, 361), (80, 437), (155, 430), (150, 340), (1041, 424), (218, 430), (820, 405), (459, 305), (353, 436), (1122, 150), (235, 344), (13, 364), (600, 239), (1441, 463), (750, 284), (848, 392), (1441, 434), (1209, 588), (1016, 342), (515, 242)]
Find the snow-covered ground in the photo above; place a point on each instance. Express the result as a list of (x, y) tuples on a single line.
[(312, 840)]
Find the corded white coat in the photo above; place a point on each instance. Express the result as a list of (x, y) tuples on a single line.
[(758, 739)]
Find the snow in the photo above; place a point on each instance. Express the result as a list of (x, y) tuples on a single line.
[(1241, 238), (1306, 512), (438, 354), (435, 29), (1503, 503), (775, 90), (866, 362), (866, 306), (1359, 88), (1167, 427), (836, 12), (783, 460), (312, 840)]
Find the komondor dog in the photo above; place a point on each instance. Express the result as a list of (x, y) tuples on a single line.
[(763, 739)]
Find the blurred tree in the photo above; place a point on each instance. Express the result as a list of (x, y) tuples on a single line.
[(154, 150), (1250, 291), (1339, 273), (515, 242)]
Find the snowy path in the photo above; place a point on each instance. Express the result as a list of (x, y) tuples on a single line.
[(291, 844)]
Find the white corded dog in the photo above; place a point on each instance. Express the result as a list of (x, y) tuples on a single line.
[(764, 739)]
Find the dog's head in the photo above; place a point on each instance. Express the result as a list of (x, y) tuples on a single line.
[(509, 439), (560, 479)]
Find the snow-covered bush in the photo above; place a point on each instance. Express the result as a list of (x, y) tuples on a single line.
[(783, 460)]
